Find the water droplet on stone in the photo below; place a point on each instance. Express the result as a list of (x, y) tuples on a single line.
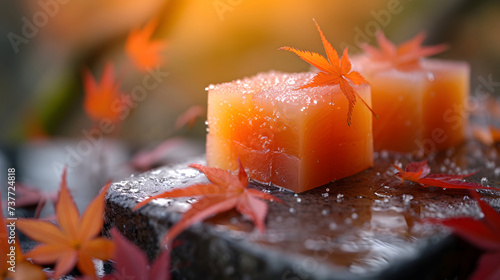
[(484, 181)]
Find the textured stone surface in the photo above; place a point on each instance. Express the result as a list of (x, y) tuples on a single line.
[(366, 226)]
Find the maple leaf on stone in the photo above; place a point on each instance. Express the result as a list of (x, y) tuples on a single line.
[(131, 263), (102, 101), (224, 192), (144, 52), (74, 240), (333, 72), (484, 234), (420, 173), (406, 56)]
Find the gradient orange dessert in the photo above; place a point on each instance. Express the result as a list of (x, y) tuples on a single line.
[(298, 139), (298, 131), (420, 102)]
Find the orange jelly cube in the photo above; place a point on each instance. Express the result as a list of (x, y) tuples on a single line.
[(294, 138), (420, 110)]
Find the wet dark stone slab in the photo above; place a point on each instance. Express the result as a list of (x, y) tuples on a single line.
[(367, 226)]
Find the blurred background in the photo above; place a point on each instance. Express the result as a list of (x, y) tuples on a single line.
[(47, 44)]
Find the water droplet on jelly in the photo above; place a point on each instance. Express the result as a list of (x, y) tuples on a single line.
[(292, 210), (299, 200), (430, 76)]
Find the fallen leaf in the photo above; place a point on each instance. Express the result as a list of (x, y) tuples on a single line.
[(74, 240), (23, 269), (333, 72), (405, 56), (28, 196), (189, 117), (419, 172), (226, 191), (147, 159), (484, 234), (130, 262), (144, 52), (102, 100)]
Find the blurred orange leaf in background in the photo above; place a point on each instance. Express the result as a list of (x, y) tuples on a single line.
[(405, 56), (103, 101), (142, 50)]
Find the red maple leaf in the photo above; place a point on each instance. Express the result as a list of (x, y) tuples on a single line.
[(405, 56), (419, 172), (144, 52), (484, 234), (225, 192), (333, 72), (103, 100), (132, 263)]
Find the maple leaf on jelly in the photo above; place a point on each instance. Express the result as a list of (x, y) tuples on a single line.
[(419, 172), (405, 56), (103, 100), (484, 234), (74, 241), (333, 72), (144, 52), (225, 192), (132, 263)]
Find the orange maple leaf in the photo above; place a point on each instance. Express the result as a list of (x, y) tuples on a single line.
[(144, 52), (23, 269), (226, 191), (102, 101), (406, 56), (333, 72), (420, 173), (75, 240)]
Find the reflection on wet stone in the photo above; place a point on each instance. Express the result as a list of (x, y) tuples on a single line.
[(367, 226)]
